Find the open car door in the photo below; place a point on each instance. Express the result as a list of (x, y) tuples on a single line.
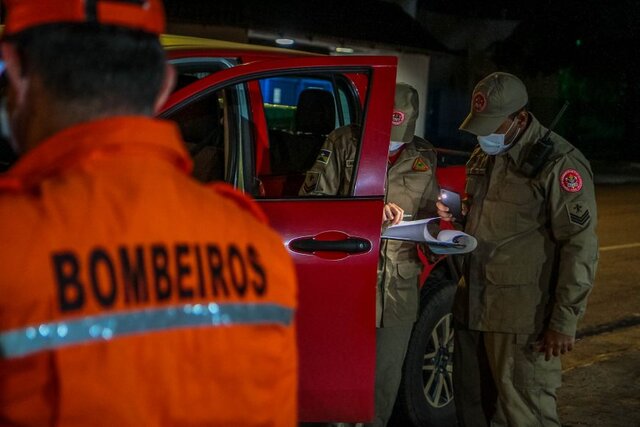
[(249, 122)]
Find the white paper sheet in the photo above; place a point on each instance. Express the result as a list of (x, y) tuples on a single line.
[(446, 242)]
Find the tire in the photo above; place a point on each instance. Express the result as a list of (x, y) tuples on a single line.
[(425, 397)]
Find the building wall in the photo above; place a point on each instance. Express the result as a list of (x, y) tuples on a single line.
[(413, 68)]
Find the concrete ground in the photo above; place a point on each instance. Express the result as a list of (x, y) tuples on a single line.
[(601, 377), (602, 381)]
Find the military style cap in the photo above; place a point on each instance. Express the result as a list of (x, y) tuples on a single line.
[(405, 113), (494, 98), (144, 15)]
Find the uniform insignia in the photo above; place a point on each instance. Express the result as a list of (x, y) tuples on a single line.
[(349, 163), (311, 182), (420, 165), (479, 102), (397, 118), (324, 156), (578, 213), (571, 181)]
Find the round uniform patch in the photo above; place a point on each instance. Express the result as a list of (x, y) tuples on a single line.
[(571, 181), (479, 102), (397, 118)]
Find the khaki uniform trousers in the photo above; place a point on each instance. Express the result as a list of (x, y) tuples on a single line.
[(391, 347), (500, 381)]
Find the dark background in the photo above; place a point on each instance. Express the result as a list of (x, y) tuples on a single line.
[(587, 48)]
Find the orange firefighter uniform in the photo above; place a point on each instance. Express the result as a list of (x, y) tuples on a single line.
[(133, 295)]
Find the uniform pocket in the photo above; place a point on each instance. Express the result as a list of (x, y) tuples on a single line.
[(407, 279), (511, 274), (403, 292), (512, 297), (531, 371), (517, 193), (516, 208), (408, 270), (417, 182)]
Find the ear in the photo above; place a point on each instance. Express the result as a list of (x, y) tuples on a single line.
[(15, 71), (168, 83), (523, 118)]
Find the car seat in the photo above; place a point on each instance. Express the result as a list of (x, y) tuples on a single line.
[(295, 152)]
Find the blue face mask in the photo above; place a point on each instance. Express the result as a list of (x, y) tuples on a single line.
[(394, 145), (493, 144)]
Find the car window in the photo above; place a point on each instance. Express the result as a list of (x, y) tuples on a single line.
[(262, 135), (281, 95), (301, 111), (204, 132), (215, 127)]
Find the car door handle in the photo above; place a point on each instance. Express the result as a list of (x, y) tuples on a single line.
[(351, 245)]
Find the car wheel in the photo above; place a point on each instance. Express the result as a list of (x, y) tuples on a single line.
[(426, 393)]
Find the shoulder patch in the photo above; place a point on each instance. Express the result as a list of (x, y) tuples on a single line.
[(578, 213), (311, 181), (324, 156), (571, 181), (243, 201), (420, 165)]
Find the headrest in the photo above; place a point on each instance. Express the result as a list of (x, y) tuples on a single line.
[(316, 112)]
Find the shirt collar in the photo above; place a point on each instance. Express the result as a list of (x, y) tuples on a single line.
[(101, 138), (530, 135), (409, 152)]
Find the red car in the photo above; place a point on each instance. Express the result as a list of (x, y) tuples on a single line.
[(256, 117)]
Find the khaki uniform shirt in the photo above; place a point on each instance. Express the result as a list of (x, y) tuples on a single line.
[(537, 248), (332, 172), (411, 184)]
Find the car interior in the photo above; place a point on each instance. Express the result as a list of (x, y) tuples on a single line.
[(218, 128)]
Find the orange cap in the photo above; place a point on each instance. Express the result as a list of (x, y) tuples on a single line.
[(145, 15)]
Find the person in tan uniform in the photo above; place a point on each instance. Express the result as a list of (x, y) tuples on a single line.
[(131, 295), (332, 172), (411, 190), (526, 285)]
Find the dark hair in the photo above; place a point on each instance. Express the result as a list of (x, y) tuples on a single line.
[(100, 68)]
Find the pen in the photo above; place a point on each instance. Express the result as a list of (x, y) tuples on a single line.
[(406, 216)]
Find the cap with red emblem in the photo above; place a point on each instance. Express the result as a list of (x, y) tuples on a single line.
[(405, 113), (494, 98), (144, 15)]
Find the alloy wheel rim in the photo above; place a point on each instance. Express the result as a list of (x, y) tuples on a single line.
[(437, 368)]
